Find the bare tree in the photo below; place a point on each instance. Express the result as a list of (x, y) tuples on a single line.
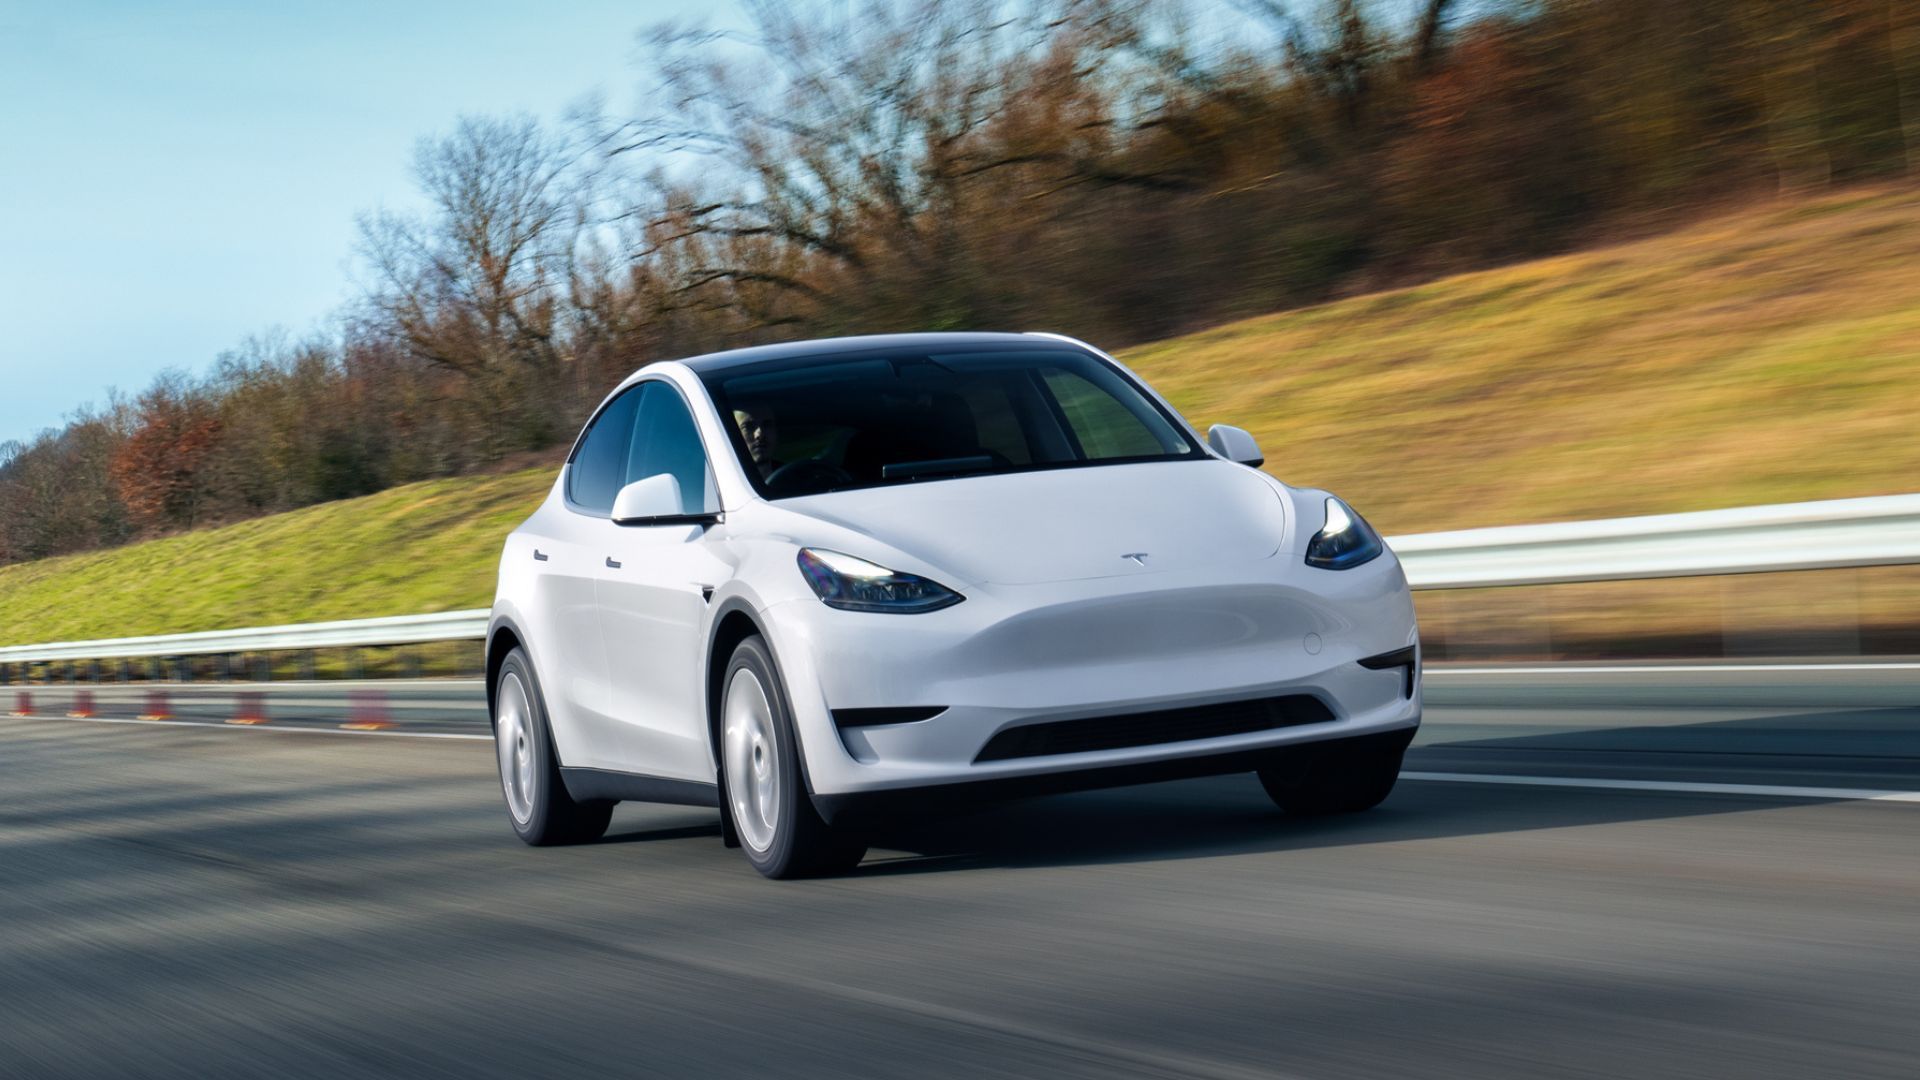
[(1426, 34), (1903, 39), (847, 150), (473, 286), (1785, 41)]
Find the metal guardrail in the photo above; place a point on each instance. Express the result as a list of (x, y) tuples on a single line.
[(394, 630), (1797, 536), (1836, 533)]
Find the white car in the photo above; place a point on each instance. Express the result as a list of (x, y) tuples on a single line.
[(812, 584)]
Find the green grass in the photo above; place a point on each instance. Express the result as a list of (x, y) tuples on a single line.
[(425, 547), (1762, 356)]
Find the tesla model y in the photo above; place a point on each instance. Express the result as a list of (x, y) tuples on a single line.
[(820, 583)]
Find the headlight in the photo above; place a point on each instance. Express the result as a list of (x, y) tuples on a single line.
[(1346, 542), (850, 584)]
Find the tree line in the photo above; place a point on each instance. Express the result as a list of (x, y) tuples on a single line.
[(1120, 170)]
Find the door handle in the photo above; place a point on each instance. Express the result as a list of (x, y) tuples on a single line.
[(539, 556), (611, 564)]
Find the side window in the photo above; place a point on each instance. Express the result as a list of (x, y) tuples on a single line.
[(665, 440), (597, 470), (1105, 428)]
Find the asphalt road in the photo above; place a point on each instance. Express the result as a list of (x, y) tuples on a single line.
[(208, 901)]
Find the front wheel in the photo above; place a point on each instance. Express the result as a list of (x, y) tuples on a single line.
[(538, 805), (780, 832), (1335, 778)]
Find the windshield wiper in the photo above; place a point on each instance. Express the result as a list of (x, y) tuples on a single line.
[(912, 470)]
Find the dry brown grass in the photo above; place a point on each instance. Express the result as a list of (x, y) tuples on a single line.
[(1770, 355)]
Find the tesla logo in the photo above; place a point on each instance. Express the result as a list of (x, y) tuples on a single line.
[(1139, 557)]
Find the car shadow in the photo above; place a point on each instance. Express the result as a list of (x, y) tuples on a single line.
[(677, 832), (1232, 815)]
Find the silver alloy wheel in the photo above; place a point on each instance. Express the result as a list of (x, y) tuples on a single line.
[(753, 771), (512, 739)]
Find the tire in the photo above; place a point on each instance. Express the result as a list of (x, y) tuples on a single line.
[(538, 806), (764, 790), (1335, 778)]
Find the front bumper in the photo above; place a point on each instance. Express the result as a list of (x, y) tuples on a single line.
[(867, 806), (1013, 655)]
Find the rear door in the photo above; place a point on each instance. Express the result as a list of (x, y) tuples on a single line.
[(652, 593)]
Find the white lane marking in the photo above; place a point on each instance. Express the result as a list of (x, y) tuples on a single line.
[(1685, 787), (1644, 669), (222, 725)]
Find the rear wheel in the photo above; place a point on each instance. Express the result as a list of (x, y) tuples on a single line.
[(779, 830), (1335, 778), (538, 805)]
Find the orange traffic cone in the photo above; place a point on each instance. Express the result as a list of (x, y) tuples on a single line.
[(157, 707), (23, 704), (368, 711), (250, 708), (82, 705)]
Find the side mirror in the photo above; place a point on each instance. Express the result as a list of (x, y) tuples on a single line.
[(1235, 444), (657, 496), (655, 501)]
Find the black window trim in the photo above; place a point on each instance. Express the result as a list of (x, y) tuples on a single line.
[(566, 487)]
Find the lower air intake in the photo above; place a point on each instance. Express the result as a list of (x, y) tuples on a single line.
[(1153, 728)]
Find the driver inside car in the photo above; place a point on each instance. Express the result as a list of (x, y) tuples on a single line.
[(757, 427)]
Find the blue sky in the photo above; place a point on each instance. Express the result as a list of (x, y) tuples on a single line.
[(175, 177)]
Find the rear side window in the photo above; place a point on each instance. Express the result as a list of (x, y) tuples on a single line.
[(598, 468)]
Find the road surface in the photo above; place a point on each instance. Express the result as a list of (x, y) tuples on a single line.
[(204, 901)]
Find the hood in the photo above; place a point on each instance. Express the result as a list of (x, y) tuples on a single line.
[(1068, 524)]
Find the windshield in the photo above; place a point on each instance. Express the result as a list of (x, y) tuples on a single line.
[(802, 427)]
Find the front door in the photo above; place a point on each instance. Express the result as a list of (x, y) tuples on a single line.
[(568, 556), (652, 594)]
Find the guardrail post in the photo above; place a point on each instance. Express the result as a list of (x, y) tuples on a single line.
[(125, 670), (1854, 637), (354, 670), (306, 665)]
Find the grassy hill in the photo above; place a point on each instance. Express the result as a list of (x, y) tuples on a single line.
[(433, 546), (1762, 356), (1770, 355)]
